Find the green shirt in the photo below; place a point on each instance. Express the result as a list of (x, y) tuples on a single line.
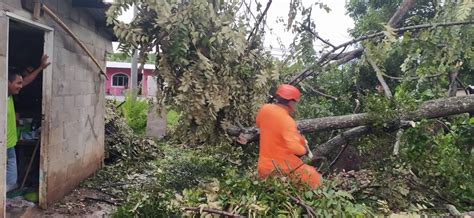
[(12, 137)]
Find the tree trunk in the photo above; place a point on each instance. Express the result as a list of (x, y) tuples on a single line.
[(405, 6), (453, 84), (430, 109), (342, 139)]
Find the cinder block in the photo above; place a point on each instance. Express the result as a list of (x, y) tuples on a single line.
[(57, 118), (94, 98), (83, 87), (72, 133), (62, 55), (68, 103), (79, 101), (72, 116), (64, 9), (56, 136), (72, 72), (60, 88), (55, 156), (57, 51), (58, 103), (87, 100), (52, 4), (74, 15), (69, 44), (83, 19), (69, 152), (78, 74), (90, 88), (59, 71), (59, 40), (75, 88), (13, 4)]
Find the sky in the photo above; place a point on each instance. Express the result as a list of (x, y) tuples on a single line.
[(333, 26)]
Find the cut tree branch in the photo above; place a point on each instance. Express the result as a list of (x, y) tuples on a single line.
[(212, 211)]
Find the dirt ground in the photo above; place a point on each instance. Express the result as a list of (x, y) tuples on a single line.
[(82, 202)]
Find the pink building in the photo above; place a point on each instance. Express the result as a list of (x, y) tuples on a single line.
[(119, 74)]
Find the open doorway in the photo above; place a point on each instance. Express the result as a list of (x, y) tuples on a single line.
[(25, 48)]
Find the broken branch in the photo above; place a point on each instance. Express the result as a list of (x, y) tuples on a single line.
[(102, 200), (308, 29), (412, 77), (344, 147), (396, 146), (320, 93), (213, 211), (259, 21), (398, 30), (327, 56), (463, 86), (379, 74), (349, 56), (309, 210)]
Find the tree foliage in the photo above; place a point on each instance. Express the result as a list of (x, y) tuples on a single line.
[(206, 68)]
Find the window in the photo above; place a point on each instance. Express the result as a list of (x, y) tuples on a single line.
[(119, 79)]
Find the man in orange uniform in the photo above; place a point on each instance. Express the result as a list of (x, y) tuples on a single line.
[(281, 144)]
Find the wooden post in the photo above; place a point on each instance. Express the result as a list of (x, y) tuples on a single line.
[(37, 10), (66, 28)]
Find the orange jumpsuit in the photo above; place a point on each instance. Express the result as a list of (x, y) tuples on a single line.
[(281, 144)]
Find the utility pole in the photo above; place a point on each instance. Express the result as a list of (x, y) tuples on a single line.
[(134, 70)]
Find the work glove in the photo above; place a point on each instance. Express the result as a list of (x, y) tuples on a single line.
[(308, 151)]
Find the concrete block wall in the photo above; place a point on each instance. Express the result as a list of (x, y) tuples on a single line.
[(78, 106), (75, 144)]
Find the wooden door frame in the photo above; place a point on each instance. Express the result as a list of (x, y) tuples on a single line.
[(46, 99)]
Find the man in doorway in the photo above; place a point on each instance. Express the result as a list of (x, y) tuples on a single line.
[(16, 82)]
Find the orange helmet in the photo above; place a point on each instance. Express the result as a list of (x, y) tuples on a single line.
[(288, 92)]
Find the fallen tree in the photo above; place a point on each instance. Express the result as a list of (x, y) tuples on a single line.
[(431, 109)]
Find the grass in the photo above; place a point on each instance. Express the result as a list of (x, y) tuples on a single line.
[(171, 118)]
